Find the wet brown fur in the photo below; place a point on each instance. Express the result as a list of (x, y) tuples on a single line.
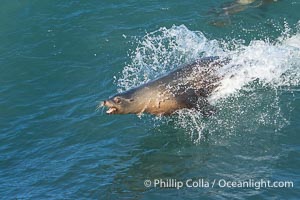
[(186, 87)]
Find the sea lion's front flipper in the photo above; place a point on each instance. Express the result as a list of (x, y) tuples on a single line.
[(205, 107), (193, 99)]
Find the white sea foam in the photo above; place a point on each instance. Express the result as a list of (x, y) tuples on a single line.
[(249, 93), (271, 64), (163, 50)]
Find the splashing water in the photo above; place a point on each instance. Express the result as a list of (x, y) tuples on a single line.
[(163, 50), (251, 86)]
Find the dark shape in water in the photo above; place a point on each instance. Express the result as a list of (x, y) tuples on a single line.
[(223, 15), (186, 87)]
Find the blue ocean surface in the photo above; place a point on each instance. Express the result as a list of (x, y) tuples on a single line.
[(60, 59)]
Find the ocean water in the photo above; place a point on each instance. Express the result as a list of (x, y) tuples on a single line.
[(60, 59)]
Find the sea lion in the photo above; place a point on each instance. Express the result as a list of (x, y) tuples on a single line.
[(227, 9), (241, 5), (186, 87)]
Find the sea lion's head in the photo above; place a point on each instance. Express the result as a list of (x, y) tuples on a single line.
[(120, 104)]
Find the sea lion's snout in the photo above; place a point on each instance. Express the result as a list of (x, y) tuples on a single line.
[(112, 109), (120, 104)]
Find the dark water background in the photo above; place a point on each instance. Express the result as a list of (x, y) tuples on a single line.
[(58, 60)]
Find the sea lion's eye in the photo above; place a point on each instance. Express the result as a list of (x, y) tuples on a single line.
[(117, 100)]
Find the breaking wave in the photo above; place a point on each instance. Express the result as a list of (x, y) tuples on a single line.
[(252, 84)]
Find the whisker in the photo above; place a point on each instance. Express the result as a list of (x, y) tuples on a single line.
[(102, 110), (100, 105)]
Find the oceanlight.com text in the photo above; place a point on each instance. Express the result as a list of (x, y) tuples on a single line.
[(216, 183)]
